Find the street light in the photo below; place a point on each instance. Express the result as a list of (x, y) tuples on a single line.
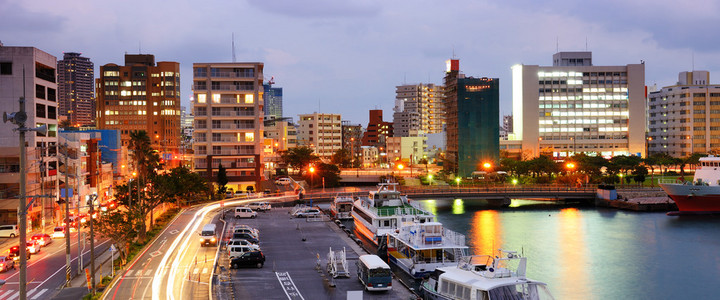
[(457, 180), (312, 179), (430, 179), (570, 166)]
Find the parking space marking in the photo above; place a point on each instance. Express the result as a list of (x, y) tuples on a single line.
[(288, 286)]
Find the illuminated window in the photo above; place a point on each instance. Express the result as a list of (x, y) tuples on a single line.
[(249, 98), (249, 137), (201, 98), (216, 98)]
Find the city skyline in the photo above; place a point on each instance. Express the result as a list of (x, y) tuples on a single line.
[(358, 50)]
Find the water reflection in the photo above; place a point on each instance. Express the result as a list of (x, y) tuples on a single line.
[(458, 207), (572, 247), (485, 232)]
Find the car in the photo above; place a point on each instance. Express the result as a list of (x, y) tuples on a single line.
[(260, 206), (228, 194), (255, 231), (248, 231), (248, 259), (235, 251), (245, 236), (33, 246), (9, 231), (310, 212), (14, 252), (58, 232), (6, 263), (245, 212), (43, 239), (283, 181), (239, 194), (242, 242)]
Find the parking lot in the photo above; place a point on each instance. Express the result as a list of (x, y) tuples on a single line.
[(292, 247)]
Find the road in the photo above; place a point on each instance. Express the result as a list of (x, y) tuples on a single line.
[(174, 266), (46, 269)]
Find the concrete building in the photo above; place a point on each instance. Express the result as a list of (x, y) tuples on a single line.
[(377, 130), (685, 118), (352, 138), (322, 132), (229, 126), (142, 95), (574, 106), (30, 73), (418, 109), (76, 81), (273, 99), (406, 149), (370, 156), (279, 137), (473, 107)]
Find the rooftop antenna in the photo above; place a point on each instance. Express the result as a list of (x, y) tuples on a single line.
[(557, 44), (453, 49), (586, 49), (693, 60), (233, 47), (139, 47)]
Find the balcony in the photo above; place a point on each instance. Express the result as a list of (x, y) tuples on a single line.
[(232, 114), (232, 126), (232, 152)]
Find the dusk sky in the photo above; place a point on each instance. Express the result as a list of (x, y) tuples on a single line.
[(347, 56)]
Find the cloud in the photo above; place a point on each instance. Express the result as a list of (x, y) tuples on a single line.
[(318, 8), (18, 20)]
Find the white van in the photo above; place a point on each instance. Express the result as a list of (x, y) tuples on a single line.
[(244, 212), (236, 251), (9, 231), (208, 235), (260, 206)]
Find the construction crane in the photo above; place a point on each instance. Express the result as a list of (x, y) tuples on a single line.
[(271, 81), (271, 122)]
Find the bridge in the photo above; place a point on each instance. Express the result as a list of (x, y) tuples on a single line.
[(499, 195)]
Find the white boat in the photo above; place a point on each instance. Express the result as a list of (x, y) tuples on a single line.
[(702, 195), (420, 248), (485, 277), (384, 211), (341, 206)]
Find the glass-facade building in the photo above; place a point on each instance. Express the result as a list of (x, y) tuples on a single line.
[(272, 97), (473, 122)]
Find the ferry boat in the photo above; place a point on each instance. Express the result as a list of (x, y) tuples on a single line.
[(702, 195), (385, 210), (341, 206), (485, 277), (420, 248)]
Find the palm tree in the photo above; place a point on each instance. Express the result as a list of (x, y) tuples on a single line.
[(146, 159)]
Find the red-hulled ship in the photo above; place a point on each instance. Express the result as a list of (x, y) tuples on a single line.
[(702, 195)]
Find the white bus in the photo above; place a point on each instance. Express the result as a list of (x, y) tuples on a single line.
[(374, 273)]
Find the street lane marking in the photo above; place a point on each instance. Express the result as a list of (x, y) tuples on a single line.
[(17, 294), (288, 286), (205, 270), (148, 272), (196, 271), (7, 293), (129, 273), (39, 294)]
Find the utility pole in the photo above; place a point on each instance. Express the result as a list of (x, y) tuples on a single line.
[(77, 220), (92, 243), (67, 219), (18, 118)]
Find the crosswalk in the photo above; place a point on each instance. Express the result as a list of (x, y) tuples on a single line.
[(31, 294)]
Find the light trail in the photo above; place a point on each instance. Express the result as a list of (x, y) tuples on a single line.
[(194, 223)]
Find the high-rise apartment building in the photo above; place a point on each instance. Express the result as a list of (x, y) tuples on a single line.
[(229, 127), (142, 95), (30, 73), (418, 110), (574, 107), (473, 108), (377, 130), (352, 138), (272, 97), (685, 118), (76, 77), (322, 132)]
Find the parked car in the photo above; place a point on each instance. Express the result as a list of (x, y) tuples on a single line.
[(58, 232), (246, 236), (249, 259), (33, 246), (235, 251), (6, 263), (245, 212), (43, 239), (283, 181), (9, 231), (242, 242), (310, 212), (260, 206), (247, 230), (15, 252)]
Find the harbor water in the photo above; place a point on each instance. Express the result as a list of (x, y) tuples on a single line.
[(583, 252)]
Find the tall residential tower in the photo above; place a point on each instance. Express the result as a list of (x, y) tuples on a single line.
[(76, 76)]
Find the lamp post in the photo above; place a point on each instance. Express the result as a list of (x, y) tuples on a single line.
[(457, 180), (312, 179)]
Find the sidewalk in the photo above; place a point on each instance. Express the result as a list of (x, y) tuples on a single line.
[(79, 285)]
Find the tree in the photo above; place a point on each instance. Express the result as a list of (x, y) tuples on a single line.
[(222, 180), (299, 158), (182, 186), (330, 173), (117, 225), (342, 158), (640, 172), (146, 159), (65, 124)]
